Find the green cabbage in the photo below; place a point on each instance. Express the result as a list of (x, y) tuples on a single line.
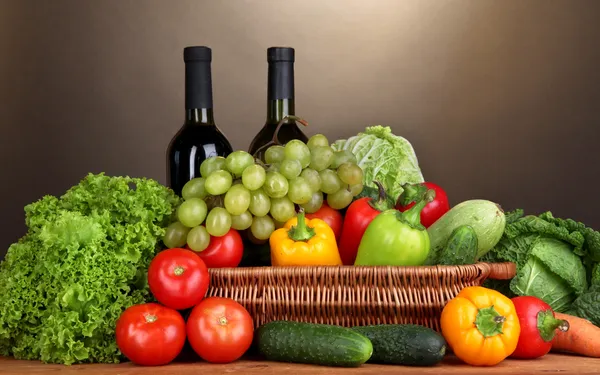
[(383, 157), (81, 263)]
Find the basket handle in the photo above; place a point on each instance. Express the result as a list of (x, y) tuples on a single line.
[(502, 271)]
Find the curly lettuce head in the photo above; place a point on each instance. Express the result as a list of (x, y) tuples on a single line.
[(383, 157), (81, 263)]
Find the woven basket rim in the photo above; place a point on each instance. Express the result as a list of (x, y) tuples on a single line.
[(498, 271)]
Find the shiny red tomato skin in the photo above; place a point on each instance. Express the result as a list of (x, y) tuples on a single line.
[(178, 278), (150, 334), (332, 217), (220, 330), (224, 251), (434, 209)]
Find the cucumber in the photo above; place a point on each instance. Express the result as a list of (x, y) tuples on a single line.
[(461, 247), (317, 344), (485, 217), (404, 344)]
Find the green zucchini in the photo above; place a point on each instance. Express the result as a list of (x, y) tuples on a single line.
[(461, 247), (404, 344), (485, 217), (318, 344)]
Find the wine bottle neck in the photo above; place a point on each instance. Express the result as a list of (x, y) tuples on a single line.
[(198, 85), (199, 116), (278, 109)]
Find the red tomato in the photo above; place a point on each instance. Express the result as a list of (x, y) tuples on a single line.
[(432, 210), (224, 251), (332, 217), (178, 278), (538, 327), (150, 334), (220, 330)]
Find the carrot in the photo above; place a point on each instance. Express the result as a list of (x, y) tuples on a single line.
[(582, 338)]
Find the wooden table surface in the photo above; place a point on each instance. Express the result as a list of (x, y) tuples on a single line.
[(552, 363)]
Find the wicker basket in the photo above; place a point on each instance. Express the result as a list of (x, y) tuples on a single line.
[(350, 295)]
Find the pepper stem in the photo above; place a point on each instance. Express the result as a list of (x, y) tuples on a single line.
[(381, 204), (412, 216), (547, 325), (411, 193), (301, 231), (489, 322)]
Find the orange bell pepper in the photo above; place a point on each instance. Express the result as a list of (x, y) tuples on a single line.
[(481, 326), (303, 242)]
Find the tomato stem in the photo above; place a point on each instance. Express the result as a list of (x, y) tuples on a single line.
[(222, 320), (150, 318), (178, 271)]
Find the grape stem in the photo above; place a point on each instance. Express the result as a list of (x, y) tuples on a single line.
[(275, 140), (301, 231)]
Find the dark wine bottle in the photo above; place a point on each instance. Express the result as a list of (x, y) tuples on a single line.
[(280, 102), (199, 138)]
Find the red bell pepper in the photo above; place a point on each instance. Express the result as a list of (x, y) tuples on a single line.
[(538, 327), (433, 210), (359, 215)]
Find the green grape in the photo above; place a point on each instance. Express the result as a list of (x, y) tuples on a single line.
[(299, 191), (237, 200), (276, 186), (175, 235), (340, 199), (355, 189), (198, 238), (321, 157), (218, 182), (297, 150), (218, 222), (262, 227), (282, 209), (350, 173), (330, 182), (313, 178), (194, 188), (341, 157), (274, 154), (253, 177), (317, 140), (273, 167), (241, 222), (260, 203), (278, 224), (214, 163), (314, 204), (290, 168), (237, 161), (192, 212)]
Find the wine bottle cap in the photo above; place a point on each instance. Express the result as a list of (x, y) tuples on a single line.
[(275, 54), (199, 53)]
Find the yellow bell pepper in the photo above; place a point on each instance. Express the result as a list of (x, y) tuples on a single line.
[(302, 242), (481, 326)]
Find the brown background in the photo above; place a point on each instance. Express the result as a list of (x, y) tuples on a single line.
[(499, 98)]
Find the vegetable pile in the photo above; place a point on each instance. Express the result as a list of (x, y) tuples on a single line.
[(118, 267), (82, 261)]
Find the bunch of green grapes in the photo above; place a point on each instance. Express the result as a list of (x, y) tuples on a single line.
[(241, 193)]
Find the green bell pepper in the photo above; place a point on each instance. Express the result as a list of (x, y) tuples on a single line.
[(396, 238)]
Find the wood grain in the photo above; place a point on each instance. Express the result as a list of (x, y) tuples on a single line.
[(562, 364)]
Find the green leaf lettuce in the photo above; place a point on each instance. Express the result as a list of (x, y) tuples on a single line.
[(64, 284)]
